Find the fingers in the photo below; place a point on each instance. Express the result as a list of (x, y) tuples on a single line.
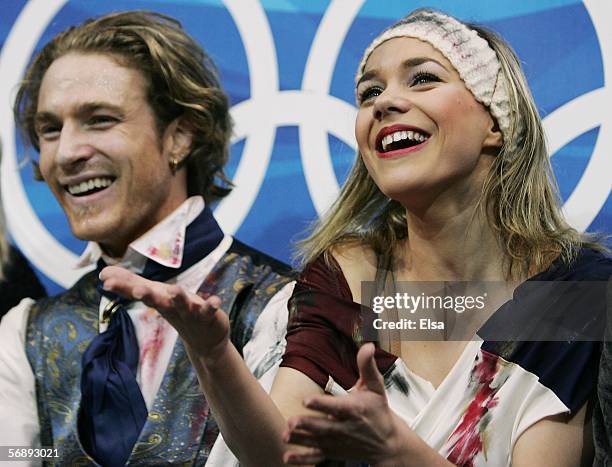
[(300, 437), (127, 284), (121, 281), (177, 298), (320, 437), (315, 427), (172, 299), (158, 295), (307, 456), (341, 408), (369, 376), (213, 301), (309, 452)]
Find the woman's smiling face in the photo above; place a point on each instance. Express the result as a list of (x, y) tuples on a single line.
[(420, 131)]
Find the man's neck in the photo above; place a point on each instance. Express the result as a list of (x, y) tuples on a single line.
[(160, 242)]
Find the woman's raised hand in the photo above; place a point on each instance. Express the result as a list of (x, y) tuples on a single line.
[(199, 321)]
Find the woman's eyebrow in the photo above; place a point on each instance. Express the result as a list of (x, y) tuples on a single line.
[(367, 76), (416, 61), (409, 63)]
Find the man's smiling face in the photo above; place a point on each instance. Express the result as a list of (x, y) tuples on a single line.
[(101, 152)]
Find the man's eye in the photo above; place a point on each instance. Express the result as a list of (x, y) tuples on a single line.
[(424, 78), (101, 121), (369, 93), (48, 131)]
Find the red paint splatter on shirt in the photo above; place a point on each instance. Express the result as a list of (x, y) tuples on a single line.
[(150, 348), (178, 246), (467, 439)]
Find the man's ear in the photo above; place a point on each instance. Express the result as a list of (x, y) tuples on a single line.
[(494, 138), (178, 138)]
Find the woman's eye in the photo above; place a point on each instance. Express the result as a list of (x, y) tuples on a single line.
[(424, 78), (370, 93)]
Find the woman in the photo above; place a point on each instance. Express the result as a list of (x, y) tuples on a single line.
[(452, 184)]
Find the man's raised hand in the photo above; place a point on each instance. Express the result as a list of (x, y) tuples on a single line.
[(200, 322)]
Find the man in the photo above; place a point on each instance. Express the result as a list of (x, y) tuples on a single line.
[(133, 130)]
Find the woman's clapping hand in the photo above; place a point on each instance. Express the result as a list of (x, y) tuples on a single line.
[(359, 426)]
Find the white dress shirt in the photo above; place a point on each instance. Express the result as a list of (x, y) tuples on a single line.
[(156, 338)]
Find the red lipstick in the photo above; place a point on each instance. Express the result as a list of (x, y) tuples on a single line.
[(392, 129)]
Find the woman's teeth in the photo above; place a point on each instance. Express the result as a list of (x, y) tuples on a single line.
[(405, 138)]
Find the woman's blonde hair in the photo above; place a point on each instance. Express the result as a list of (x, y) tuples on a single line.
[(520, 198)]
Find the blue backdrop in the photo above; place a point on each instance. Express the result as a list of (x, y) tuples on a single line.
[(288, 66)]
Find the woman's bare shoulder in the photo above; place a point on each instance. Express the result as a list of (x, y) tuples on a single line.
[(357, 262)]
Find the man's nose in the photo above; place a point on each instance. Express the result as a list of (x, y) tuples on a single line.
[(74, 145)]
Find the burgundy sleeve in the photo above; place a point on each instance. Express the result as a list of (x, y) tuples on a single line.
[(323, 321)]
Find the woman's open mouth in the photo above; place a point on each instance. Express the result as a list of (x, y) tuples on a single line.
[(399, 140)]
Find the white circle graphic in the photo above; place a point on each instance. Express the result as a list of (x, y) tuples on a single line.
[(254, 29), (314, 145), (563, 125)]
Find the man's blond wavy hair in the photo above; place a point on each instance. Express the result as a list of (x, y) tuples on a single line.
[(182, 82)]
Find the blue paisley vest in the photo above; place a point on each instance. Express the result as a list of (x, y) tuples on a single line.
[(179, 429)]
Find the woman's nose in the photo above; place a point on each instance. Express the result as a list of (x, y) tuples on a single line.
[(389, 102)]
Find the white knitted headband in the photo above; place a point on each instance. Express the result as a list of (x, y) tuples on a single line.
[(473, 58)]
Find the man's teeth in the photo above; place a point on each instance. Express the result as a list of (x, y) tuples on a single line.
[(402, 135), (89, 185)]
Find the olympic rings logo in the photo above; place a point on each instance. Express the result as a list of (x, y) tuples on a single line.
[(312, 109)]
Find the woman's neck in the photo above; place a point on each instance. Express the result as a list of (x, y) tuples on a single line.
[(453, 242)]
